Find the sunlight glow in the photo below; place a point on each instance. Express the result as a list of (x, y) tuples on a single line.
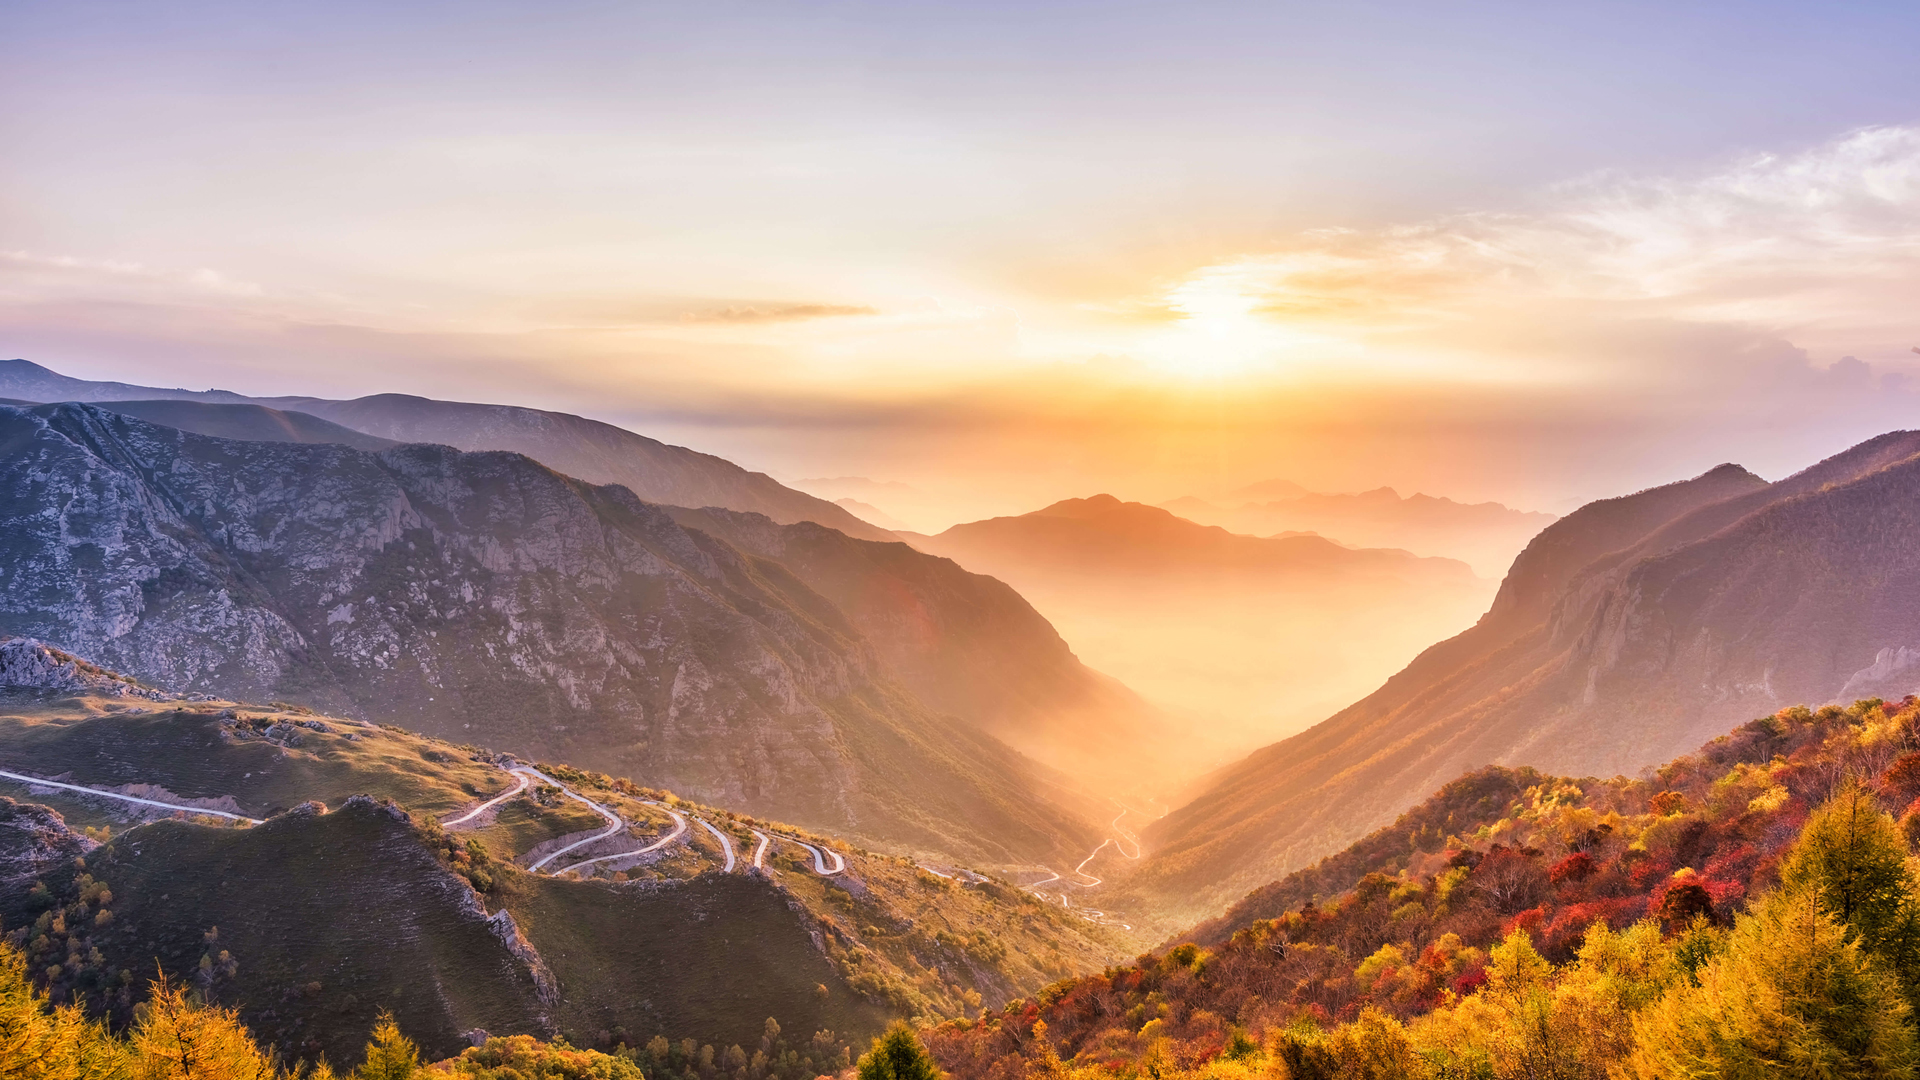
[(1222, 333)]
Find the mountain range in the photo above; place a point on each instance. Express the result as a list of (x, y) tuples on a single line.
[(486, 597), (1243, 637), (1625, 633), (587, 449), (1485, 535)]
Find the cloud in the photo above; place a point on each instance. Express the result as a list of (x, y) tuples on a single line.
[(773, 313), (40, 276), (1822, 245)]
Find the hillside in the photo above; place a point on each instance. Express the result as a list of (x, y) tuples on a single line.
[(486, 597), (1424, 921), (348, 898), (1626, 632), (596, 452), (966, 644), (1241, 637), (1484, 535)]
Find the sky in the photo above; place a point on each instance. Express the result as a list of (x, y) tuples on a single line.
[(1002, 253)]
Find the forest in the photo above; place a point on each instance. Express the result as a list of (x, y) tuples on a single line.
[(1749, 910)]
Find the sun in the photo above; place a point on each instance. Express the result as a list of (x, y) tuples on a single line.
[(1221, 333)]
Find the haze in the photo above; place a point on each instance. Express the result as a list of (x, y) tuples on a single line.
[(963, 261)]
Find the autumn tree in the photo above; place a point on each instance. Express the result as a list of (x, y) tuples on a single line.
[(41, 1043), (898, 1055), (1792, 994), (174, 1038), (1851, 856), (390, 1055)]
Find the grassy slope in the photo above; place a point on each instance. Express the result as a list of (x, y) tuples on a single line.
[(359, 903)]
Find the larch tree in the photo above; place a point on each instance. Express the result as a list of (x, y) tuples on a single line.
[(1853, 857), (1791, 995), (390, 1055), (898, 1055)]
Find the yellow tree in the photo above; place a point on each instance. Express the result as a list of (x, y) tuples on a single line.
[(39, 1043), (1791, 996), (390, 1055), (174, 1039)]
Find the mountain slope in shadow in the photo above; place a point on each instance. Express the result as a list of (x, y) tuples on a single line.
[(968, 645)]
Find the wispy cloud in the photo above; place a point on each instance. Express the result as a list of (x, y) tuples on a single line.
[(1822, 244), (774, 313), (43, 273)]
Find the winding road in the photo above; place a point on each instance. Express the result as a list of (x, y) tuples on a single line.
[(726, 842), (524, 777), (679, 830), (819, 864), (1119, 841), (37, 782), (525, 782), (526, 774), (615, 824)]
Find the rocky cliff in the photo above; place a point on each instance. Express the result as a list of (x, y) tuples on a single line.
[(487, 598), (26, 664)]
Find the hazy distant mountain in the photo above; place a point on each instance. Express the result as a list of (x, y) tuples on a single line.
[(1626, 633), (1102, 534), (1271, 489), (1241, 635), (484, 597), (1486, 535), (869, 513), (965, 644), (587, 449)]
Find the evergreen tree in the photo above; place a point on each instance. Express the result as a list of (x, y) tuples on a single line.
[(898, 1055), (390, 1055), (1791, 995), (1853, 857)]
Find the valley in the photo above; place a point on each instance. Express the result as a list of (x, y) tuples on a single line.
[(954, 541), (737, 745), (1243, 638)]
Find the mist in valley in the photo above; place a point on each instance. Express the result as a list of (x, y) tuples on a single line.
[(1238, 640)]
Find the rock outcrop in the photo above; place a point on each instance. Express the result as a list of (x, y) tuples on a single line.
[(26, 664), (34, 839)]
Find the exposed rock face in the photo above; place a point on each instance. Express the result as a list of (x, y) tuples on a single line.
[(1628, 633), (26, 664), (33, 839), (478, 596)]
